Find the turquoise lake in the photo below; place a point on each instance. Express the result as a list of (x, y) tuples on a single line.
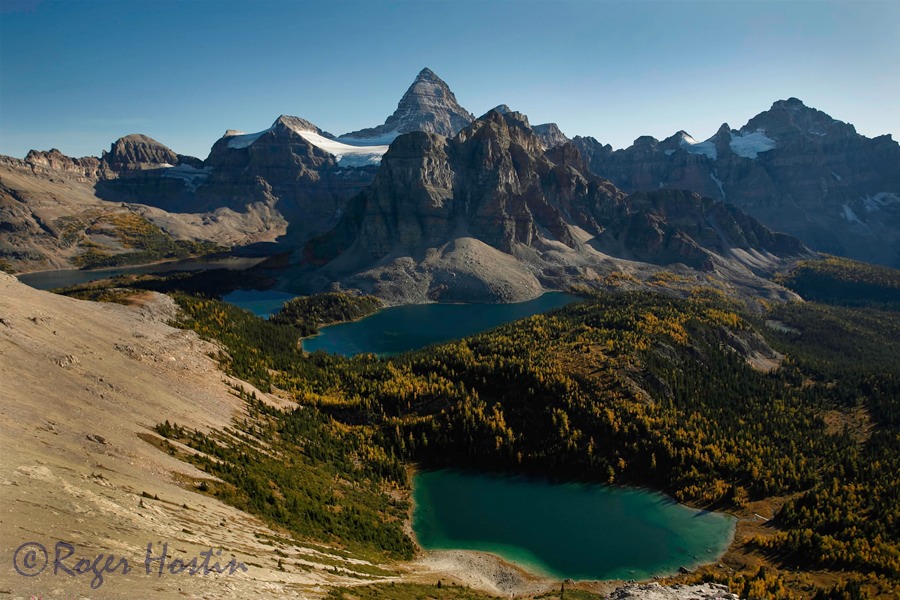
[(577, 531), (401, 328)]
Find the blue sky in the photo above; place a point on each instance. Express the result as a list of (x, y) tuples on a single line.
[(76, 75)]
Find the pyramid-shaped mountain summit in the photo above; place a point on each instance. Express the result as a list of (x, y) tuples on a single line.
[(428, 105)]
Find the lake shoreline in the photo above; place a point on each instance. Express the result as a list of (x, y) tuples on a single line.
[(246, 262), (399, 328), (480, 570), (499, 574)]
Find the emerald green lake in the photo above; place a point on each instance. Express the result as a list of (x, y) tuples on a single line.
[(576, 531), (401, 328)]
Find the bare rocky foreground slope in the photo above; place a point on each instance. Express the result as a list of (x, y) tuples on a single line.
[(80, 383)]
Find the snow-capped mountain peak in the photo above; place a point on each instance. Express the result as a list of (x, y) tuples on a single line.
[(346, 154)]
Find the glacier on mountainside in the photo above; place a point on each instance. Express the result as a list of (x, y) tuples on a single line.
[(750, 145)]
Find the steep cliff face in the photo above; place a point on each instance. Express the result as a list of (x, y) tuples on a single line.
[(492, 192), (428, 105), (295, 166), (492, 182), (794, 168)]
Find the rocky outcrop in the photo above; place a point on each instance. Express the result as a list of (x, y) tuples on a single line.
[(677, 226), (45, 162), (793, 167), (137, 152), (550, 135), (140, 170), (655, 591), (495, 191), (428, 105), (492, 182)]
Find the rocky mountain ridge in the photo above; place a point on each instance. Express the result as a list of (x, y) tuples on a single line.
[(496, 187), (445, 214), (793, 167)]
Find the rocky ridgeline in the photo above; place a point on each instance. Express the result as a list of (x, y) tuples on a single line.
[(513, 186), (793, 167), (54, 161), (494, 183)]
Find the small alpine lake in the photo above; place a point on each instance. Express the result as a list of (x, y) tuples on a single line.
[(48, 280), (261, 303), (401, 328), (565, 530)]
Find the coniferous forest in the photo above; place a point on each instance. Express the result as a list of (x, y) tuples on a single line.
[(694, 396)]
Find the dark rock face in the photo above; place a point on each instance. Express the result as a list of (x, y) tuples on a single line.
[(135, 170), (280, 165), (137, 152), (672, 226), (491, 182), (794, 168), (428, 105), (495, 182)]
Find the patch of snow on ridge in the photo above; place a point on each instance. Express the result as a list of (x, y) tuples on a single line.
[(348, 152), (850, 215), (346, 155), (880, 200), (692, 146), (191, 176), (238, 140), (718, 182), (749, 145)]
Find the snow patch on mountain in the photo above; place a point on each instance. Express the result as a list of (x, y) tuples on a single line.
[(191, 176), (718, 182), (348, 152), (880, 200), (850, 215), (692, 146), (346, 155), (750, 145), (238, 139)]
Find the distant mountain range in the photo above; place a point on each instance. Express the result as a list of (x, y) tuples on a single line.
[(435, 203), (794, 168)]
